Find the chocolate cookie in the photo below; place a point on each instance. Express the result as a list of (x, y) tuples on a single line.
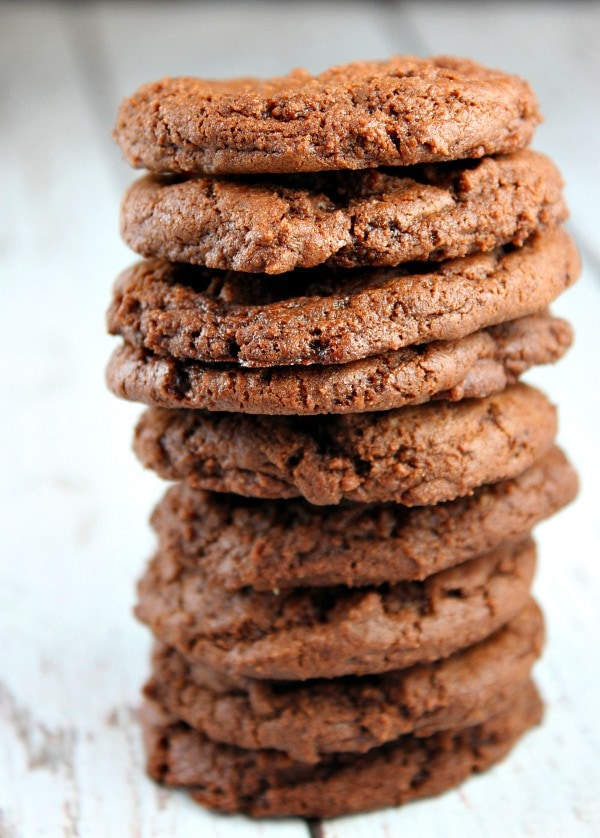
[(361, 115), (471, 367), (275, 545), (375, 217), (326, 632), (324, 316), (268, 783), (414, 455), (308, 719)]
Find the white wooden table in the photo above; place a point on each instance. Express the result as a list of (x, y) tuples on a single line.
[(74, 502)]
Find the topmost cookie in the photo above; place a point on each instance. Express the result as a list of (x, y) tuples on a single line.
[(390, 113)]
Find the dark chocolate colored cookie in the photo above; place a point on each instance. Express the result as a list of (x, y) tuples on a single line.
[(268, 783), (268, 225), (362, 115), (329, 316), (307, 719), (326, 632), (275, 545), (414, 455), (471, 367)]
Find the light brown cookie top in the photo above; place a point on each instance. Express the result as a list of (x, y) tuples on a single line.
[(361, 115), (308, 719), (414, 455), (268, 783), (324, 316), (475, 366), (276, 545), (327, 632), (375, 217)]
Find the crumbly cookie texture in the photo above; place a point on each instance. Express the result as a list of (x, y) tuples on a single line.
[(328, 316), (362, 115), (475, 366), (355, 714), (414, 455), (327, 632), (276, 545), (348, 219), (269, 783)]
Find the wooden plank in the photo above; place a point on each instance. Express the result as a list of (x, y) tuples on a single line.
[(66, 586)]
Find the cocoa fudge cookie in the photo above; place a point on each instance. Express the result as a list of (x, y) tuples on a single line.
[(414, 455), (362, 115), (326, 632), (475, 366), (325, 316), (275, 545), (308, 719), (349, 219), (268, 783)]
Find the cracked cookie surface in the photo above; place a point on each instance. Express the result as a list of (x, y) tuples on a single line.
[(276, 545), (327, 632), (414, 455), (475, 366), (361, 115), (329, 316), (273, 225), (308, 719)]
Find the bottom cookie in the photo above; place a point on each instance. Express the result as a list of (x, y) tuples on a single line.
[(268, 783)]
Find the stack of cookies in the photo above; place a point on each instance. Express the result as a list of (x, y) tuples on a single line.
[(344, 277)]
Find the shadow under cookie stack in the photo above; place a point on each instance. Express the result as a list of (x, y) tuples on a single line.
[(344, 277)]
